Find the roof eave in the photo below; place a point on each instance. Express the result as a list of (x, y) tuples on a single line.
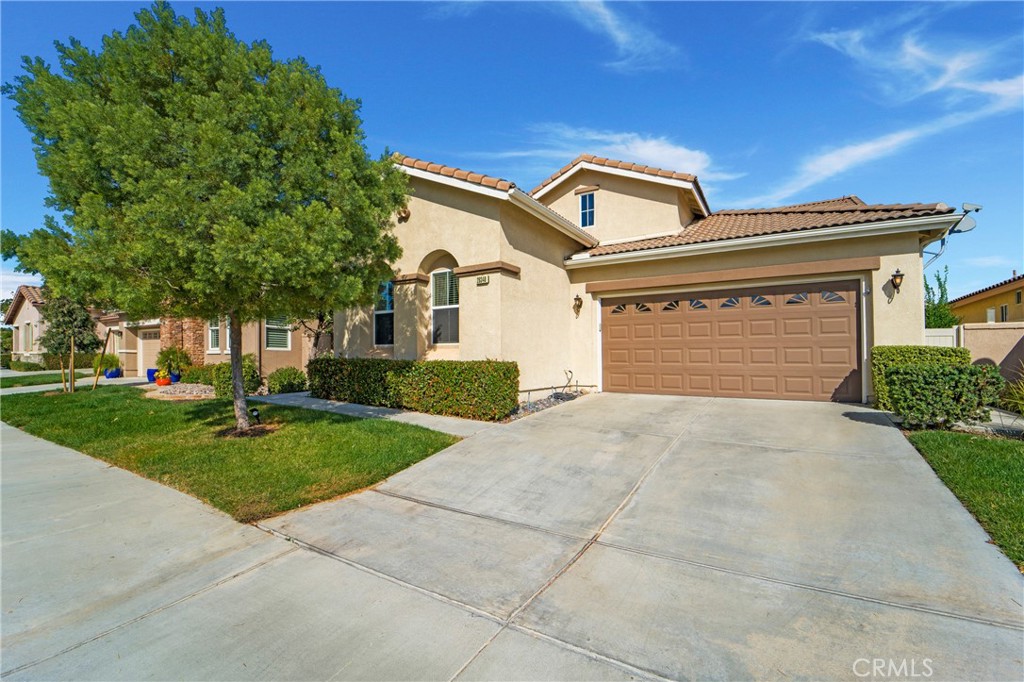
[(997, 289), (943, 222)]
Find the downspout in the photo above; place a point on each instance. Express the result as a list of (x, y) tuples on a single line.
[(259, 347)]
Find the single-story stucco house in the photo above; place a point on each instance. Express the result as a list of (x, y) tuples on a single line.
[(26, 320), (622, 275), (999, 302)]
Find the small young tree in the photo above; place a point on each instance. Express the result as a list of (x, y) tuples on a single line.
[(66, 321), (200, 177), (937, 312)]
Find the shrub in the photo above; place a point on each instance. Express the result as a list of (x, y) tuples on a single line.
[(1012, 398), (486, 389), (105, 362), (52, 361), (5, 360), (884, 357), (251, 379), (941, 395), (19, 366), (286, 380), (173, 360), (198, 374)]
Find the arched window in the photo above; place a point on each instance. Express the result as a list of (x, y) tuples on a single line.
[(444, 306)]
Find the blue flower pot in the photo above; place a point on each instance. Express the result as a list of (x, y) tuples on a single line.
[(151, 375), (175, 378), (112, 373)]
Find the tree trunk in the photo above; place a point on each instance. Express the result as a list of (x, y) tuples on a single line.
[(71, 365), (237, 387), (63, 383), (99, 365)]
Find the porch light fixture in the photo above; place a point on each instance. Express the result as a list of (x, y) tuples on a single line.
[(577, 305), (897, 280)]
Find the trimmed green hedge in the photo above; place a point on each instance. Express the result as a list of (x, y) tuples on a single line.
[(475, 389), (286, 380), (885, 357), (20, 366), (941, 395), (82, 360)]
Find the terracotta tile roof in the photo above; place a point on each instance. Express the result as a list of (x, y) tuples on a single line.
[(612, 163), (452, 172), (734, 224), (1015, 278), (26, 292), (32, 294)]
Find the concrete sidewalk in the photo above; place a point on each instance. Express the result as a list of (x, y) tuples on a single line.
[(451, 425), (82, 384)]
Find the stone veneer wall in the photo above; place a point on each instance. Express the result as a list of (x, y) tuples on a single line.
[(189, 334)]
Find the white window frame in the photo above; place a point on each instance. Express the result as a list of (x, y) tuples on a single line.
[(27, 341), (391, 312), (210, 348), (443, 307), (592, 211), (288, 327), (227, 336), (990, 315)]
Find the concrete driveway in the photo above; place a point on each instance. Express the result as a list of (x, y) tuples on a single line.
[(614, 537)]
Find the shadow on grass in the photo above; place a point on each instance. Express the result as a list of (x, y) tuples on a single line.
[(220, 413)]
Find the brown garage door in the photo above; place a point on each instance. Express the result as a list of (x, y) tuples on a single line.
[(796, 342)]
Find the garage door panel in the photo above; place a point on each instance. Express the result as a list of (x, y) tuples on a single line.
[(783, 341), (729, 356), (763, 327), (764, 356)]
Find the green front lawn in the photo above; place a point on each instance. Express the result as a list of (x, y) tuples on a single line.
[(987, 475), (311, 456), (39, 379)]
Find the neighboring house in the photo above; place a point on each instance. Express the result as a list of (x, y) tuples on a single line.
[(24, 317), (622, 275), (273, 342), (1000, 302)]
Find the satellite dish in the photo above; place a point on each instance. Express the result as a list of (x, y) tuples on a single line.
[(966, 224)]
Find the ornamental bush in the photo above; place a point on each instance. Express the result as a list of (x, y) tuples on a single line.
[(476, 389), (251, 379), (198, 374), (884, 357), (941, 395), (286, 380)]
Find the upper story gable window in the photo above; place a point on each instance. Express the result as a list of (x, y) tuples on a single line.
[(587, 209)]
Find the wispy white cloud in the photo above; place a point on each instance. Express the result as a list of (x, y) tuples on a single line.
[(11, 280), (991, 262), (560, 143), (904, 69), (638, 47)]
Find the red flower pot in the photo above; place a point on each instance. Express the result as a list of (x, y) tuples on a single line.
[(163, 381)]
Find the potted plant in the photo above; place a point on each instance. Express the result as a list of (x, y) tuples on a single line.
[(151, 374), (163, 377), (173, 360), (108, 364)]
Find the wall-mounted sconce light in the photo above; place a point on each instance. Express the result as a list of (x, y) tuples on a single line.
[(404, 214), (577, 305), (897, 280)]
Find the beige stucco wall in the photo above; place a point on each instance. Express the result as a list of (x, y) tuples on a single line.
[(253, 342), (623, 207), (999, 343), (976, 309), (27, 315)]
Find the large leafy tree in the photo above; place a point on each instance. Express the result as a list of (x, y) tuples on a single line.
[(937, 312), (198, 176)]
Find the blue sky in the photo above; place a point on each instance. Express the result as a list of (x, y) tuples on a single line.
[(768, 103)]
